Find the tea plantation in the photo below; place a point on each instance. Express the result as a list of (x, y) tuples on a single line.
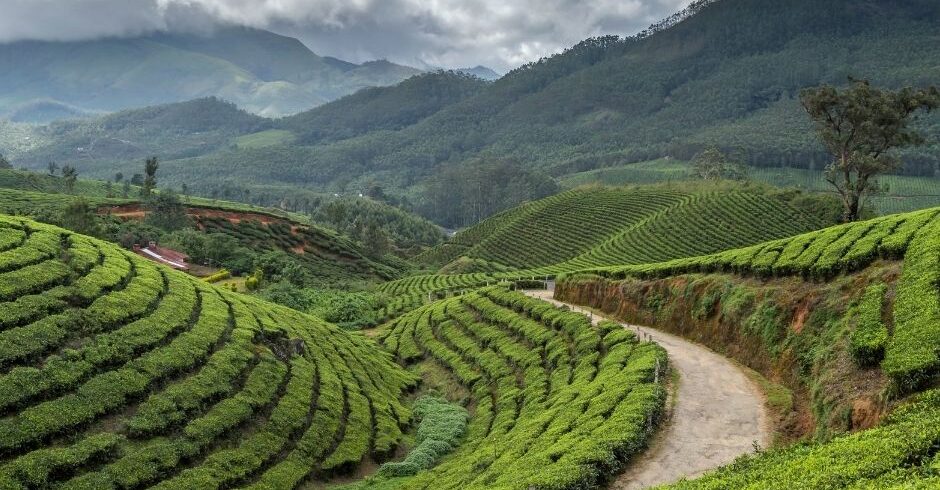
[(119, 373), (558, 403)]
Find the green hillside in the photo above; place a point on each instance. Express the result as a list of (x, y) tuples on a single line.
[(724, 72), (902, 193), (120, 373), (872, 289), (595, 226), (558, 403), (326, 256)]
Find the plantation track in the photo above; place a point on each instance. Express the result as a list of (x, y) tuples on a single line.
[(718, 414)]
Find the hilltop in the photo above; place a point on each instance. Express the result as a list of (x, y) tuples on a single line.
[(261, 71)]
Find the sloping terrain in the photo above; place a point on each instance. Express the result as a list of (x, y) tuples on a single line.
[(727, 72), (593, 226), (856, 336), (118, 373), (902, 193), (559, 403)]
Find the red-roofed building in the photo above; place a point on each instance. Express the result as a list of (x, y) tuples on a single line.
[(165, 256)]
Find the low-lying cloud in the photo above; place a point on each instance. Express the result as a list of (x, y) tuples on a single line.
[(448, 33)]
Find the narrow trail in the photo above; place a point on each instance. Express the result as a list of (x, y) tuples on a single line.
[(718, 414)]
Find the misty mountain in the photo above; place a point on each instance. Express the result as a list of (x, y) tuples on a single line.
[(726, 72), (262, 72)]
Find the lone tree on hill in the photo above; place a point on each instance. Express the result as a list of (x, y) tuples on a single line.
[(860, 126), (150, 176), (713, 164), (70, 175), (52, 167)]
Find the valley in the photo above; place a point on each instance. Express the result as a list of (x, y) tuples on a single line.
[(700, 255)]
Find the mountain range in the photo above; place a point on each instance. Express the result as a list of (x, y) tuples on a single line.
[(724, 72), (263, 72)]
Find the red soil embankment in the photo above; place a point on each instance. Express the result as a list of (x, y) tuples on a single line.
[(136, 211)]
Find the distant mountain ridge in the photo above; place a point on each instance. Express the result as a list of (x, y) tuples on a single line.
[(722, 72), (260, 71)]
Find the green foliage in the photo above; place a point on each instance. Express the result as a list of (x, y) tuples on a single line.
[(821, 254), (712, 164), (595, 227), (352, 215), (465, 194), (117, 372), (559, 403), (440, 429), (861, 127), (218, 276), (911, 354), (870, 335), (166, 211), (81, 218)]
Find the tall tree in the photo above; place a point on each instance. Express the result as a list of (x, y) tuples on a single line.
[(126, 189), (150, 176), (118, 177), (70, 175), (52, 167), (4, 163), (860, 126), (713, 164)]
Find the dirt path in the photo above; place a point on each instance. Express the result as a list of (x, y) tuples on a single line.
[(718, 415)]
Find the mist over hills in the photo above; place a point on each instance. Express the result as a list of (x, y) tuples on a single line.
[(262, 72), (725, 72)]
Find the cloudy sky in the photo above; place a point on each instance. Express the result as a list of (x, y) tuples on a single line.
[(501, 34)]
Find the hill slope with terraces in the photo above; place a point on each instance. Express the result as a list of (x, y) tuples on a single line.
[(597, 226), (847, 317), (120, 373)]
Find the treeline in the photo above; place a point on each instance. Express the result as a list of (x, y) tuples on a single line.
[(465, 194)]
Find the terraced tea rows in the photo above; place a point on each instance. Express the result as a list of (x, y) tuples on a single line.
[(910, 354), (569, 224), (118, 373), (683, 226), (820, 254), (558, 402), (705, 223)]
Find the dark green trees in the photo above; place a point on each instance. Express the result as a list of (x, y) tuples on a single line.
[(859, 127), (69, 176), (150, 178), (713, 164)]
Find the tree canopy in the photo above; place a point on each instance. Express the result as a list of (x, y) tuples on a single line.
[(861, 127)]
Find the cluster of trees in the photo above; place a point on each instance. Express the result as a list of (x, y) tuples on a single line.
[(464, 194), (368, 220)]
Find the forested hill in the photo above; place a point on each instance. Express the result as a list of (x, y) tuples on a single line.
[(725, 72), (262, 71)]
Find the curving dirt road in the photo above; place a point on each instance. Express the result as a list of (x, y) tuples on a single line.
[(718, 414)]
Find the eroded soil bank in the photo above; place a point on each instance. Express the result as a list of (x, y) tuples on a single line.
[(793, 332)]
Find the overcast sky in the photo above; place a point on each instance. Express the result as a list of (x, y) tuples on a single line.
[(501, 34)]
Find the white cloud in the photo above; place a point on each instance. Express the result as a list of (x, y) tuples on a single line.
[(449, 33)]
